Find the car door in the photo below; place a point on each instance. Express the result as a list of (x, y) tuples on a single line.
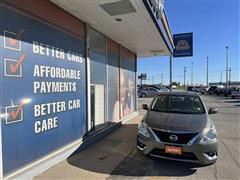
[(153, 92), (147, 91)]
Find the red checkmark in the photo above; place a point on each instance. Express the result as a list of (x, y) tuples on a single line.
[(14, 67), (14, 114), (13, 41)]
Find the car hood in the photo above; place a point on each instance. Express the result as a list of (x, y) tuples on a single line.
[(176, 121)]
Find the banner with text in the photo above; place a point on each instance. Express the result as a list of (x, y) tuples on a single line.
[(43, 93)]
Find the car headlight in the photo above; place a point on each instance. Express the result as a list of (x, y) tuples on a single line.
[(142, 129), (210, 135)]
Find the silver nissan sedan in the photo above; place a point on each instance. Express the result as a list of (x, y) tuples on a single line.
[(177, 126)]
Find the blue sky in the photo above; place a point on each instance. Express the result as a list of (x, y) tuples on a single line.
[(215, 24)]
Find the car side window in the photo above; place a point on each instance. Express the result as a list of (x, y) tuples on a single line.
[(154, 90)]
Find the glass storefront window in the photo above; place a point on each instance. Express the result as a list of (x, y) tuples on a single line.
[(127, 82), (113, 80), (98, 77)]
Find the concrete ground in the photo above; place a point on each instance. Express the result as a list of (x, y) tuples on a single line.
[(116, 157), (99, 160)]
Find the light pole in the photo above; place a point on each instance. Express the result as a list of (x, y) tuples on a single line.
[(184, 76), (192, 75), (207, 72), (230, 70), (162, 78), (226, 66), (221, 78)]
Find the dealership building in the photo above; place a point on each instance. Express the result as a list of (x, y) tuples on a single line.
[(68, 72)]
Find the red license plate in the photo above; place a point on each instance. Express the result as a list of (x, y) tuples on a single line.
[(173, 150)]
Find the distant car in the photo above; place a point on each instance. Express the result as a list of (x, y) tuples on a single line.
[(235, 93), (228, 91), (203, 90), (190, 88), (197, 89), (163, 89), (153, 86), (219, 91), (177, 126), (213, 89), (147, 92)]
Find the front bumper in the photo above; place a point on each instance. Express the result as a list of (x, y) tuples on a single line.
[(196, 153)]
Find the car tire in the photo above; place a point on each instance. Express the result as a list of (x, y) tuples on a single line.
[(143, 95)]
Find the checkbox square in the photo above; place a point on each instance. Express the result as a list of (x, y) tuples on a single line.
[(9, 110), (10, 42), (7, 69)]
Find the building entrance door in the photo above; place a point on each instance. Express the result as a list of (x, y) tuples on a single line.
[(97, 106)]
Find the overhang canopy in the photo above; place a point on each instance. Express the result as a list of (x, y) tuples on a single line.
[(129, 22)]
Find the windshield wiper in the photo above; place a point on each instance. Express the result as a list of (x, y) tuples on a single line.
[(179, 112)]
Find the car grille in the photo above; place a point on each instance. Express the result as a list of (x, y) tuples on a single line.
[(184, 156), (183, 138)]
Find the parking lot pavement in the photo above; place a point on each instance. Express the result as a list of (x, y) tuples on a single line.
[(227, 123), (116, 156)]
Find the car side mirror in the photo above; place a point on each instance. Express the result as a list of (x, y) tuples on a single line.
[(212, 111), (145, 106)]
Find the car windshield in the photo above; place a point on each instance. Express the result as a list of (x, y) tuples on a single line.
[(178, 104)]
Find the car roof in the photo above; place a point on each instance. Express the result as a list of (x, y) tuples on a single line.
[(148, 87), (176, 93)]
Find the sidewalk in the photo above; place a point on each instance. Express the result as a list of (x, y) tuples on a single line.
[(99, 160)]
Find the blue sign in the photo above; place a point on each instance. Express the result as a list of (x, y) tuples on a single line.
[(183, 45), (43, 89)]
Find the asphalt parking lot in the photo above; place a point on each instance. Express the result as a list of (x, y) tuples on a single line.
[(227, 123)]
